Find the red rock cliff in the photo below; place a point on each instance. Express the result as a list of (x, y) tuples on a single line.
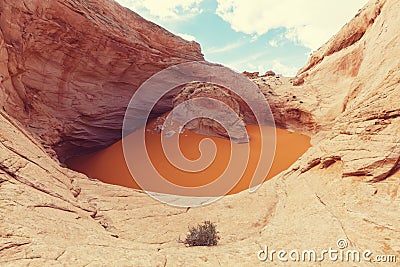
[(69, 67)]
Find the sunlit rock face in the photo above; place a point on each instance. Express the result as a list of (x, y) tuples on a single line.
[(208, 126), (69, 68), (349, 94), (348, 103)]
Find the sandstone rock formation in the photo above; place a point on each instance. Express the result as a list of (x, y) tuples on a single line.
[(209, 126), (50, 215), (251, 75), (349, 93), (69, 67), (269, 73)]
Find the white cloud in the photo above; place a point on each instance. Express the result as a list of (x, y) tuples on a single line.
[(257, 62), (187, 37), (254, 38), (164, 10), (226, 48), (310, 23), (261, 65), (290, 35), (285, 70), (246, 63), (273, 43)]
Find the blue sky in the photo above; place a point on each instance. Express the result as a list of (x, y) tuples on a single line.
[(252, 35)]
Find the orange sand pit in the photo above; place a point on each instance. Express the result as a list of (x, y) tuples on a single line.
[(109, 165)]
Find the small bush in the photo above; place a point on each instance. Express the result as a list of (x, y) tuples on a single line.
[(203, 235)]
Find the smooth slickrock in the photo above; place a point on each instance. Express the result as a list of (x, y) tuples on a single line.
[(49, 215), (69, 67), (349, 93)]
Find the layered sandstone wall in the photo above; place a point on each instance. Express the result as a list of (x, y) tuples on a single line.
[(349, 95), (70, 67), (50, 215)]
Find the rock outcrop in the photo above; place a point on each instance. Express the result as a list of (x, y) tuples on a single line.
[(349, 93), (211, 127), (69, 67), (251, 75), (50, 215), (350, 34)]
